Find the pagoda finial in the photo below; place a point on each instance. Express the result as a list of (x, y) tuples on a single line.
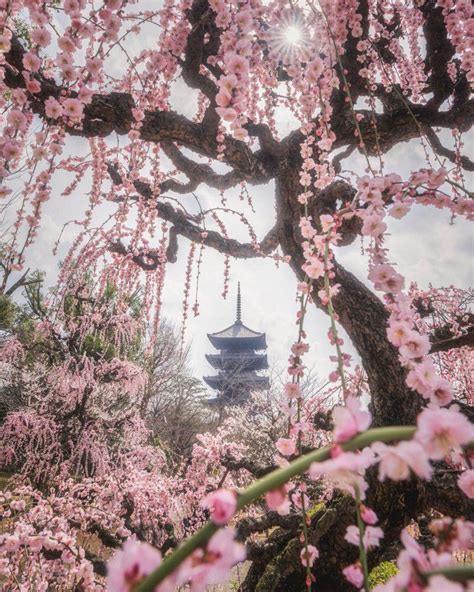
[(239, 305)]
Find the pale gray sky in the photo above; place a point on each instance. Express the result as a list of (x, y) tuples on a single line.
[(424, 245)]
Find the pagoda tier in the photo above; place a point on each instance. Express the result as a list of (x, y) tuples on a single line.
[(223, 381), (228, 360), (238, 361)]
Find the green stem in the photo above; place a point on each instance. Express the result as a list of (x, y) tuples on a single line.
[(456, 573), (306, 541), (330, 307), (273, 480), (362, 552)]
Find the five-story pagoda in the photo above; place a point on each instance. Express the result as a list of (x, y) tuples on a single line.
[(241, 355)]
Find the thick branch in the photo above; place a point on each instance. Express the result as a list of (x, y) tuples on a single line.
[(466, 339), (439, 51), (148, 260), (211, 238), (244, 463), (198, 172), (201, 18), (435, 143), (443, 494), (400, 125), (248, 526), (112, 112)]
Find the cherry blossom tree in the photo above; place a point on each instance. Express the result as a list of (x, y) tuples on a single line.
[(357, 78), (86, 473)]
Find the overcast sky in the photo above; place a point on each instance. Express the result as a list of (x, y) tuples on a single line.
[(425, 246)]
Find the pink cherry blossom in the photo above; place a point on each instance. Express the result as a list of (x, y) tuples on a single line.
[(423, 378), (386, 279), (438, 583), (308, 556), (397, 461), (314, 268), (314, 70), (41, 36), (53, 108), (212, 565), (237, 65), (372, 536), (352, 535), (354, 574), (286, 446), (223, 98), (373, 226), (437, 178), (299, 348), (17, 119), (31, 62), (85, 95), (350, 420), (399, 210), (227, 114), (222, 505), (368, 515), (73, 108), (292, 390), (244, 19), (442, 392), (277, 499), (415, 345), (66, 44), (398, 332), (440, 431), (11, 150), (33, 86), (346, 470), (130, 565), (466, 483), (307, 229)]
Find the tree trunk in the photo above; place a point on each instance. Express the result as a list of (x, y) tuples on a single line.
[(364, 318)]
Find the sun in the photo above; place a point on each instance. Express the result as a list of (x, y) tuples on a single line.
[(289, 39), (293, 34)]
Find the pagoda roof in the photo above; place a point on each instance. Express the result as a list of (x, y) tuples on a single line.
[(238, 335)]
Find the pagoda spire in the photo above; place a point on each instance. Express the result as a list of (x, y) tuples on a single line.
[(239, 305)]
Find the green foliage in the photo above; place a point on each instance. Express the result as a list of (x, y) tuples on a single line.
[(95, 346), (22, 31), (33, 294), (4, 480), (311, 512), (7, 313), (382, 573)]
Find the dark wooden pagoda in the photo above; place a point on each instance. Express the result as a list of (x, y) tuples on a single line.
[(241, 355)]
